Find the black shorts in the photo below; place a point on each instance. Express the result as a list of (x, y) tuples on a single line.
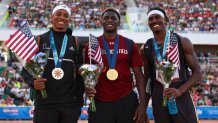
[(57, 115), (186, 114), (121, 111)]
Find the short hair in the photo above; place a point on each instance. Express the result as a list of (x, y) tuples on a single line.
[(159, 9), (111, 10)]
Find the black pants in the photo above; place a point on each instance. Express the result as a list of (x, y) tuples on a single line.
[(57, 115), (121, 111), (186, 110)]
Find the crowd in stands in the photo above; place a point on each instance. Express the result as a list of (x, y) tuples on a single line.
[(15, 92), (85, 13), (206, 91), (188, 15), (184, 15)]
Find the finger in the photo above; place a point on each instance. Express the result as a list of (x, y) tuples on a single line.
[(39, 85), (43, 79), (135, 115)]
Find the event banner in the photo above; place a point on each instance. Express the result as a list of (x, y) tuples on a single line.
[(21, 113), (26, 113)]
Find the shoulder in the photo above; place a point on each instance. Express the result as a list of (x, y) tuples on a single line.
[(46, 34), (186, 43), (125, 38)]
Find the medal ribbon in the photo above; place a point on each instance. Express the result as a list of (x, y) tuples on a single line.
[(58, 60), (111, 59), (157, 51)]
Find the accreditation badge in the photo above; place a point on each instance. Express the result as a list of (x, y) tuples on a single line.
[(57, 73), (112, 74)]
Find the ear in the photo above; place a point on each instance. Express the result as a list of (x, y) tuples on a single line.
[(51, 16), (165, 21)]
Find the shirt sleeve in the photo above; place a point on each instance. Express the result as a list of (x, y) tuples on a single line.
[(28, 79)]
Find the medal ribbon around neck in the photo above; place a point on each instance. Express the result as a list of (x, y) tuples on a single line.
[(58, 60), (112, 74), (157, 51), (57, 72)]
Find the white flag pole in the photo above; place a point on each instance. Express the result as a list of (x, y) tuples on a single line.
[(90, 49)]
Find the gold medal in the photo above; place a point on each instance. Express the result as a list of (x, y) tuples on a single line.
[(57, 73), (112, 74)]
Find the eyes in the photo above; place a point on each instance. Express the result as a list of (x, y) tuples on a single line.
[(106, 18), (59, 14), (155, 17)]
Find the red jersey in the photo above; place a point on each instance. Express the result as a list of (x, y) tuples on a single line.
[(107, 90)]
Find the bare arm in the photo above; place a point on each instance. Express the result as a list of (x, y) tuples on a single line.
[(192, 63), (140, 111), (140, 83)]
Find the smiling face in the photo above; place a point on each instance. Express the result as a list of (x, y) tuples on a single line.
[(60, 20), (110, 21), (156, 23)]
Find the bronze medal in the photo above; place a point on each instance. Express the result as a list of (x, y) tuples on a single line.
[(112, 74), (57, 73)]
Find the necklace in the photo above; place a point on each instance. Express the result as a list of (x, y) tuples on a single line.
[(159, 47), (160, 42)]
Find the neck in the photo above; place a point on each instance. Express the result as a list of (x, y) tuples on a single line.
[(110, 35), (160, 36)]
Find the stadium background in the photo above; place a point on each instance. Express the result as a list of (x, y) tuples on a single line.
[(195, 19)]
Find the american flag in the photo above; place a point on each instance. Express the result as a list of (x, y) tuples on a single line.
[(94, 50), (172, 50), (22, 43)]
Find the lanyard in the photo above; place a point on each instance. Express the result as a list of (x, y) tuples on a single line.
[(58, 60), (111, 59), (157, 51)]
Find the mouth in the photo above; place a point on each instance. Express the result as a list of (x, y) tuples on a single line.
[(109, 25), (156, 26), (60, 22)]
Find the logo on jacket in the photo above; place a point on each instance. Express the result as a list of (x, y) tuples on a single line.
[(72, 48)]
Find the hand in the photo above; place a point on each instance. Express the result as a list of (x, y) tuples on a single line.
[(90, 92), (139, 116), (39, 84), (172, 92)]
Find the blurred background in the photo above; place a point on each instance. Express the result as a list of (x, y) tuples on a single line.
[(195, 19)]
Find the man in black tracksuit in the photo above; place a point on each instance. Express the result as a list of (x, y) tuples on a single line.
[(64, 95)]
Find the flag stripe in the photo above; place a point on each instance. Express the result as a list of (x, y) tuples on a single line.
[(20, 45), (23, 43), (12, 39), (28, 42), (172, 50), (31, 54), (19, 38), (94, 50), (28, 48)]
